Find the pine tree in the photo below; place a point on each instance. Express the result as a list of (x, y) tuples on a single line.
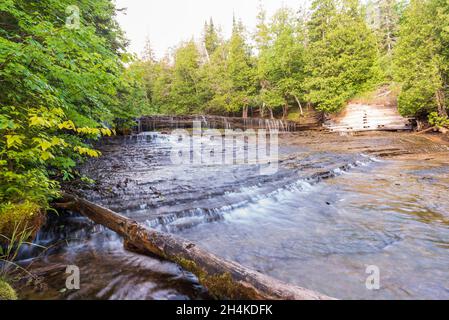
[(281, 64), (289, 57), (384, 17), (211, 38), (262, 40), (241, 71), (186, 94), (322, 19), (388, 24), (262, 35), (341, 55), (422, 59), (161, 100), (148, 53), (218, 80)]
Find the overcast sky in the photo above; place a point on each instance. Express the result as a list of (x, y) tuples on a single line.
[(167, 22)]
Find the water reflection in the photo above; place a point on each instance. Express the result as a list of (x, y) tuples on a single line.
[(385, 214)]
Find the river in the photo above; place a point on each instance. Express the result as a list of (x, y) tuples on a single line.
[(336, 205)]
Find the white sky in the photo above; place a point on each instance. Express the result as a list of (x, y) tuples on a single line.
[(168, 22)]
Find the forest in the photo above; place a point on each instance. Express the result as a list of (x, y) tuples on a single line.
[(63, 88), (322, 56)]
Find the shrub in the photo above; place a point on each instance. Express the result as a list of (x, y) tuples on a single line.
[(438, 121)]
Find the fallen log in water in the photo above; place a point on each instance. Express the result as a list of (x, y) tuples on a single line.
[(426, 131), (434, 129), (224, 279)]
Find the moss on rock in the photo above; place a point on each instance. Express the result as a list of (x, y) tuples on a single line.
[(6, 291)]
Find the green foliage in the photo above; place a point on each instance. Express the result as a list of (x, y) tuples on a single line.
[(36, 144), (136, 91), (384, 17), (211, 38), (281, 59), (219, 84), (323, 60), (240, 71), (438, 121), (422, 58), (342, 53), (216, 77), (61, 88), (186, 85)]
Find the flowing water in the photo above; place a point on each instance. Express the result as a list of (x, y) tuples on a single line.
[(335, 206)]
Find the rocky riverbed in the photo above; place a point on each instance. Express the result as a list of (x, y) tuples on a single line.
[(336, 205)]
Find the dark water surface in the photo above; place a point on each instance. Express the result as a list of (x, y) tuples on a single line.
[(335, 206)]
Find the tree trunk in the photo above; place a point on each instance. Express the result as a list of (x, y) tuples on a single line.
[(299, 105), (207, 54), (441, 102), (224, 279), (284, 111), (245, 112), (271, 113), (262, 110)]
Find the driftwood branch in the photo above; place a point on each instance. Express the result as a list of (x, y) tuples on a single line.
[(426, 131), (224, 279)]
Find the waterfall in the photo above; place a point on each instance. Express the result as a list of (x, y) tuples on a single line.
[(157, 123)]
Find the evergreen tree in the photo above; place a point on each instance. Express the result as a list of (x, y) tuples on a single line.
[(241, 71), (262, 35), (288, 57), (388, 27), (322, 20), (341, 55), (148, 52), (281, 64), (211, 38), (262, 40), (186, 93), (161, 101), (217, 82), (384, 17), (422, 60)]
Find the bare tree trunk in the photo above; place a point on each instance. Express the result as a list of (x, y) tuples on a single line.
[(224, 279), (262, 110), (271, 113), (284, 111), (207, 54), (441, 102), (299, 104), (245, 112)]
